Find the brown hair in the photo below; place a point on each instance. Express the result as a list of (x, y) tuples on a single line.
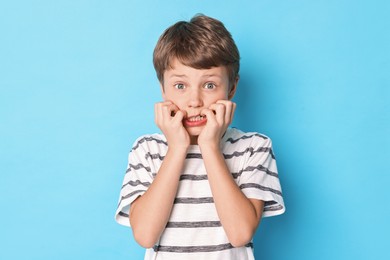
[(201, 43)]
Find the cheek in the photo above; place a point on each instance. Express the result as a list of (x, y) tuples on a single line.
[(167, 94), (220, 96), (177, 100)]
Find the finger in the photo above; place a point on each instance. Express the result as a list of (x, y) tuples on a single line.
[(165, 103), (233, 111), (230, 107), (228, 110), (211, 118), (158, 113), (220, 111), (179, 116), (169, 110), (173, 108)]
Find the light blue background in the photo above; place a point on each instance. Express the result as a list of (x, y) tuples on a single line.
[(78, 86)]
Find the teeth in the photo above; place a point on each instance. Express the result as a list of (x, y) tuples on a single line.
[(195, 118)]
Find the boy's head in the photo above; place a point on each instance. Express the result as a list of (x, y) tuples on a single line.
[(201, 43)]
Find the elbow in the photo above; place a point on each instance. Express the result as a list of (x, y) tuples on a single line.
[(144, 239), (143, 234), (241, 238), (242, 235), (239, 242)]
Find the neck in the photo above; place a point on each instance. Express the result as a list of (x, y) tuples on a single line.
[(194, 140)]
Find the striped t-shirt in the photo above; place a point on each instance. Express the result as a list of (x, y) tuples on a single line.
[(194, 230)]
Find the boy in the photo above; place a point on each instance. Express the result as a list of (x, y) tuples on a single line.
[(199, 189)]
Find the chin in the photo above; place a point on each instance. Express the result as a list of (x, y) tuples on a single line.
[(194, 131)]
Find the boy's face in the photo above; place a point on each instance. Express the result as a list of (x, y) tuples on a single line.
[(192, 90)]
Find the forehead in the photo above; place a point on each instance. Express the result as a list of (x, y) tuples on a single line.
[(179, 70)]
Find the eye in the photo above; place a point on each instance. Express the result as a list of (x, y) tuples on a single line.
[(179, 86), (209, 85)]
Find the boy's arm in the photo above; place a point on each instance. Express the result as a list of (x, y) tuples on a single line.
[(150, 213), (239, 215)]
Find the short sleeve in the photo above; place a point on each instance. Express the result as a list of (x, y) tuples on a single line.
[(259, 178), (136, 181)]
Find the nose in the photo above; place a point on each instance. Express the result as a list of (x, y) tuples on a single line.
[(195, 98)]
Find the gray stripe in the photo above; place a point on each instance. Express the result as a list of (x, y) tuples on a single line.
[(235, 154), (231, 140), (257, 186), (263, 150), (199, 224), (194, 200), (158, 156), (193, 177), (136, 183), (122, 214), (251, 151), (154, 156), (129, 195), (273, 208), (196, 249), (148, 139), (272, 154), (258, 167), (137, 167), (270, 203), (194, 156)]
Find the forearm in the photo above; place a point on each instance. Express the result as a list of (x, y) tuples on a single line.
[(149, 214), (239, 217)]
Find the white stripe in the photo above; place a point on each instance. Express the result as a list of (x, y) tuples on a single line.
[(194, 212), (193, 237)]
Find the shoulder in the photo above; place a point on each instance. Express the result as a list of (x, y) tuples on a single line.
[(146, 142), (238, 138)]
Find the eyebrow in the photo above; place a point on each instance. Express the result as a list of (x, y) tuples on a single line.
[(211, 75), (203, 76), (206, 76), (178, 76)]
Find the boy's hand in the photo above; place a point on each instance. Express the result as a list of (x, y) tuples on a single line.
[(219, 116), (169, 118)]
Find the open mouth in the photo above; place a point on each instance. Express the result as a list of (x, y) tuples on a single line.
[(197, 120)]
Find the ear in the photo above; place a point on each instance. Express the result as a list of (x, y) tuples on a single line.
[(233, 89)]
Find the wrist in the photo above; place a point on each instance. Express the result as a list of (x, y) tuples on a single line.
[(178, 149), (210, 147)]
